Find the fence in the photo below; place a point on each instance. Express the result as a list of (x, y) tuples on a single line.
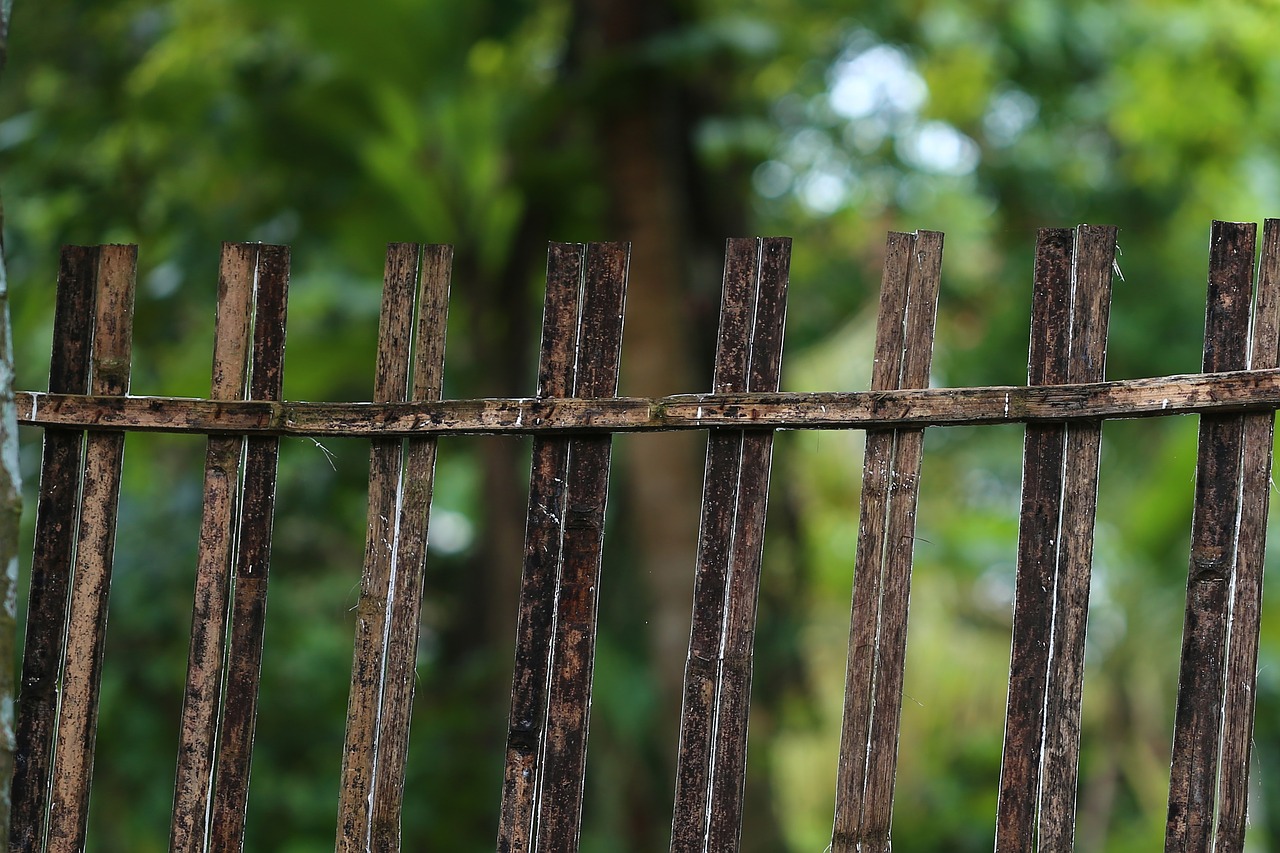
[(572, 418)]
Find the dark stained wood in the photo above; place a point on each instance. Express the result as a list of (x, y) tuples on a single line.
[(248, 607), (572, 419), (742, 597), (95, 547), (1198, 718), (544, 530), (868, 577), (1163, 396), (891, 642), (1038, 542), (364, 702), (54, 551), (1246, 605), (559, 807), (201, 699), (411, 554), (711, 571), (1095, 248)]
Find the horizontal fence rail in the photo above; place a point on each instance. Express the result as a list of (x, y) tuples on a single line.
[(1182, 394), (572, 417)]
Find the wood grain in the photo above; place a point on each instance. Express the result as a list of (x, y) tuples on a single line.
[(95, 551), (1095, 248), (405, 608), (364, 700), (711, 568), (882, 568), (1246, 602), (1214, 528), (248, 607), (51, 564), (559, 807), (900, 527), (224, 458), (1038, 548), (1163, 396), (733, 704), (544, 529)]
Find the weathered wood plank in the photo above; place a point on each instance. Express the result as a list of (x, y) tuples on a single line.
[(1246, 606), (711, 569), (1198, 718), (405, 607), (559, 808), (733, 705), (1095, 248), (95, 548), (1038, 545), (248, 608), (891, 642), (868, 577), (882, 568), (544, 529), (200, 704), (364, 700), (60, 476), (1162, 396)]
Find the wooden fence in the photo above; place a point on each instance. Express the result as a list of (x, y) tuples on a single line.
[(572, 418)]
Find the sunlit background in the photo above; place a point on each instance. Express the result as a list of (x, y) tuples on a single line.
[(497, 126)]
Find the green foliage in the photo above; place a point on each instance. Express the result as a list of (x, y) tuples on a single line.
[(336, 127)]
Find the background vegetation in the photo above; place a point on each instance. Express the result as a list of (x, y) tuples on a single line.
[(497, 125)]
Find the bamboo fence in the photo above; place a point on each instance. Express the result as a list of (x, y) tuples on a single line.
[(572, 418)]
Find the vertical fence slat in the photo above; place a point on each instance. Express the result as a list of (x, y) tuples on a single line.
[(891, 642), (877, 467), (543, 539), (573, 645), (1095, 248), (1246, 607), (719, 489), (1197, 720), (411, 553), (390, 384), (733, 704), (224, 455), (51, 562), (1042, 480), (248, 608), (95, 547)]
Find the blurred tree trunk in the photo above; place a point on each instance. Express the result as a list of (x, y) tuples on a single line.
[(10, 504)]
